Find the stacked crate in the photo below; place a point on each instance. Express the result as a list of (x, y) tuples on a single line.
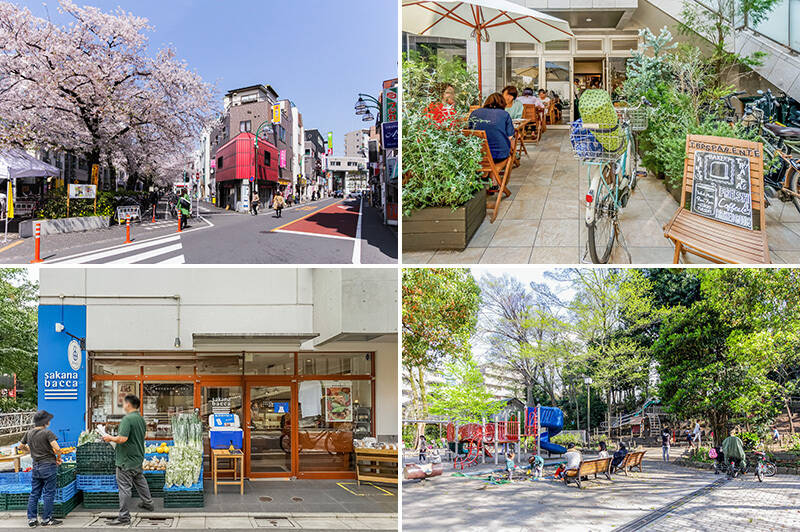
[(97, 475), (15, 488), (155, 479), (183, 497), (15, 491), (67, 494)]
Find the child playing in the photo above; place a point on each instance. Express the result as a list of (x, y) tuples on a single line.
[(537, 466), (510, 464)]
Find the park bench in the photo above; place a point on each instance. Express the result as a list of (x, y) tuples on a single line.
[(587, 467), (499, 174), (630, 461), (721, 216)]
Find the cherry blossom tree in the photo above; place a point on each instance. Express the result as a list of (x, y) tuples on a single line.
[(90, 87)]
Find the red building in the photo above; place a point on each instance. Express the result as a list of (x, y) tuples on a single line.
[(235, 168)]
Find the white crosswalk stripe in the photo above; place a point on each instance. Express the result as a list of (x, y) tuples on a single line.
[(156, 251)]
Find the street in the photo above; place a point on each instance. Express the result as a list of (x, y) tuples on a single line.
[(327, 231)]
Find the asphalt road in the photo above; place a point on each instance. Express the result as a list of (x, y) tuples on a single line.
[(328, 231)]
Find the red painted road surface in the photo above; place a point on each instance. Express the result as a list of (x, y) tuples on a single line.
[(337, 220)]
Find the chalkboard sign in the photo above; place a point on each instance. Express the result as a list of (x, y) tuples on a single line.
[(721, 188)]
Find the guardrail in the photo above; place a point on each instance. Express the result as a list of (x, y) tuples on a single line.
[(14, 422)]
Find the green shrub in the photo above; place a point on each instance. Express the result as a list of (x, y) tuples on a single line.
[(440, 164), (749, 440), (565, 438), (699, 455), (16, 405), (55, 204), (793, 443)]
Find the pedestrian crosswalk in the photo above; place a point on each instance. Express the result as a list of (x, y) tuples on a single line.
[(149, 226), (162, 250)]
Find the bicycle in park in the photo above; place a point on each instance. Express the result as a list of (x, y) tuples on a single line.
[(612, 175)]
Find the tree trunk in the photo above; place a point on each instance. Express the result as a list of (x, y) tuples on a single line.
[(608, 411), (414, 403), (789, 412), (92, 158), (423, 402)]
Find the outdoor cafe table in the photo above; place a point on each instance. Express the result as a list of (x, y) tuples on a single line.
[(237, 457), (16, 458), (519, 131)]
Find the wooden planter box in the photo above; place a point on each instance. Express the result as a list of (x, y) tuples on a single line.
[(443, 227)]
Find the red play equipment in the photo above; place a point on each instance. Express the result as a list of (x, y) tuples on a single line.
[(479, 437)]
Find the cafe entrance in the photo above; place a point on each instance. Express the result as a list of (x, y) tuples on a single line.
[(269, 431)]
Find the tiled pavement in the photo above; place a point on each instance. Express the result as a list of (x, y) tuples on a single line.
[(542, 221), (471, 505)]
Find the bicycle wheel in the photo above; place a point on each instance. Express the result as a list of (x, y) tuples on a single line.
[(770, 469), (602, 230), (760, 472), (632, 164), (794, 186)]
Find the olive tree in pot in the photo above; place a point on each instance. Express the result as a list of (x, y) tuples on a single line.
[(444, 202)]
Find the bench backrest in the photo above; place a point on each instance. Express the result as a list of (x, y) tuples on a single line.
[(529, 112), (637, 458), (725, 149), (473, 107), (597, 465)]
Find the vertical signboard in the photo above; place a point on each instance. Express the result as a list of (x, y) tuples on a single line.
[(283, 159), (389, 113), (330, 142), (276, 113), (62, 378)]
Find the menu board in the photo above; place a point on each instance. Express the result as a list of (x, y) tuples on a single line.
[(721, 188)]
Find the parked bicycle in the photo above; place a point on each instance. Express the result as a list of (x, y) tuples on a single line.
[(764, 468), (612, 176)]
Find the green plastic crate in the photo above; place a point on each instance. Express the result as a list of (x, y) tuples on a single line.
[(95, 459), (184, 499), (100, 500), (2, 501), (66, 474)]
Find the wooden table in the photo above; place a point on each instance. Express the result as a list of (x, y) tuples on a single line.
[(376, 465), (225, 454), (519, 131), (14, 458)]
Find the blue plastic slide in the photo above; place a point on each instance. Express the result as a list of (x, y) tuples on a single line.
[(552, 419)]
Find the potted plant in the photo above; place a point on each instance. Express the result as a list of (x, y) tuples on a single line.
[(444, 202)]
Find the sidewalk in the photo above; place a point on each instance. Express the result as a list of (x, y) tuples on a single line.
[(542, 221)]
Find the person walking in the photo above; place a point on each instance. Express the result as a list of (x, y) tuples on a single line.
[(46, 455), (129, 457), (696, 435), (278, 203), (423, 448), (254, 206), (184, 204), (665, 441)]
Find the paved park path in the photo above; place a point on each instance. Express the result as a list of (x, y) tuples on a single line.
[(454, 503)]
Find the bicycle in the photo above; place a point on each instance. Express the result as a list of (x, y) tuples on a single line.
[(612, 176)]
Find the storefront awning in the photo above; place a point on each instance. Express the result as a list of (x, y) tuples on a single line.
[(16, 163), (284, 182), (236, 340), (359, 337)]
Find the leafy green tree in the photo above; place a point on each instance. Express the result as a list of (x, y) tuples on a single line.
[(440, 307), (18, 334), (462, 396)]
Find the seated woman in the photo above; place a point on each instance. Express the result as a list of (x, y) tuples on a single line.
[(619, 455), (496, 122), (513, 106), (443, 110), (603, 450)]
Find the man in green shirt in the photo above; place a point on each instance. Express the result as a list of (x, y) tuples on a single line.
[(129, 458)]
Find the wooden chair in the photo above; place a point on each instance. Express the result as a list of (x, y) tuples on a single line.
[(473, 107), (712, 239), (499, 176), (533, 131), (551, 112)]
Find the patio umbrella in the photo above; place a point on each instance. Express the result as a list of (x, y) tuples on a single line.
[(481, 20)]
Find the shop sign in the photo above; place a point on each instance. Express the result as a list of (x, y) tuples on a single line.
[(330, 142), (82, 191), (338, 401), (389, 135), (61, 385), (389, 113), (280, 408), (74, 355), (276, 113), (283, 159), (221, 405), (224, 420)]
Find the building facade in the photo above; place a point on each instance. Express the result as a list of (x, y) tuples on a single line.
[(313, 162), (355, 143), (349, 174), (272, 354)]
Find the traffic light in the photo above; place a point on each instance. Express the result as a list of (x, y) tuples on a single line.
[(185, 176)]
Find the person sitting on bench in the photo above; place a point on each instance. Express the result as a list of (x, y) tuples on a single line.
[(603, 450), (573, 457), (619, 455)]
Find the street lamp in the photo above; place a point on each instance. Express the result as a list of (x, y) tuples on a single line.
[(363, 107), (587, 381)]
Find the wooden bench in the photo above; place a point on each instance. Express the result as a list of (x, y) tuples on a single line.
[(704, 234), (630, 461), (499, 175), (587, 467)]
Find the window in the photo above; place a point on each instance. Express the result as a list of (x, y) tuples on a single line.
[(244, 126), (267, 159), (162, 400), (589, 45), (106, 399), (219, 163), (624, 45), (269, 363), (335, 364), (557, 46)]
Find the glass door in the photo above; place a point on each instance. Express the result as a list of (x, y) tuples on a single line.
[(218, 398), (268, 432), (558, 82)]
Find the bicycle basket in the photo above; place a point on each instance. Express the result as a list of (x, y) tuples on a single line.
[(587, 148), (635, 116)]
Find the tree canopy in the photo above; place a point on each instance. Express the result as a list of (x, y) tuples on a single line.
[(18, 334)]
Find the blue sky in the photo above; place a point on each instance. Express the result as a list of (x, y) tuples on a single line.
[(318, 53)]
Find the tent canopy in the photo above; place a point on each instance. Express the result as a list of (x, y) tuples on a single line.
[(16, 163)]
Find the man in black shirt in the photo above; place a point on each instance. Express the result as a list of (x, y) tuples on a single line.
[(46, 455)]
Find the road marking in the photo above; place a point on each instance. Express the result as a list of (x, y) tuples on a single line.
[(387, 492), (11, 245), (307, 208), (94, 255), (146, 255), (341, 485), (311, 234), (306, 216), (357, 243), (174, 260)]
